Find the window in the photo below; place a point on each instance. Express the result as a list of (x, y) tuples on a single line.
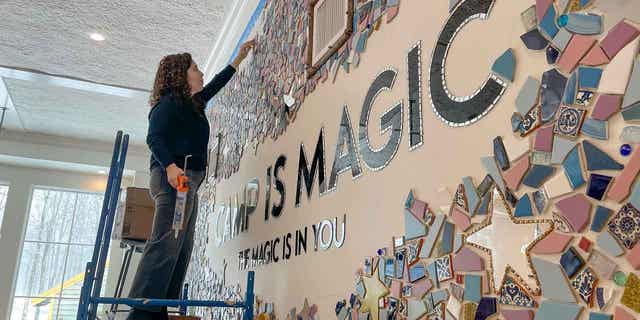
[(59, 240), (4, 192), (330, 26)]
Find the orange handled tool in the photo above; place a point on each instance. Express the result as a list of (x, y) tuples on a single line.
[(181, 199)]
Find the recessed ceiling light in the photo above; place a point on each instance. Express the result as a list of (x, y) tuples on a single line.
[(96, 37)]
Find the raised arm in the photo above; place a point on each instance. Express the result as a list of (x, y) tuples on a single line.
[(220, 80)]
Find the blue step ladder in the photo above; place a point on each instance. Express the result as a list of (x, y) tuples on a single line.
[(90, 294)]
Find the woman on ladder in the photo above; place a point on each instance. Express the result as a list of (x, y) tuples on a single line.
[(178, 128)]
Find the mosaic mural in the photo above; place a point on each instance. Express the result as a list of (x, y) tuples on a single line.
[(568, 208)]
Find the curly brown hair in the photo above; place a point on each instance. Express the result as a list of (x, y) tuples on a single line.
[(171, 77)]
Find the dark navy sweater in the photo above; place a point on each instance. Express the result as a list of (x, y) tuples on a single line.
[(176, 129)]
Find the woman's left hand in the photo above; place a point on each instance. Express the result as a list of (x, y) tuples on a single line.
[(243, 52)]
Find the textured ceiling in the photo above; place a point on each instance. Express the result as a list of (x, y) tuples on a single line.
[(53, 36)]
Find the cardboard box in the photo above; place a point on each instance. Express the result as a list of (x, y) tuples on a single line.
[(135, 215)]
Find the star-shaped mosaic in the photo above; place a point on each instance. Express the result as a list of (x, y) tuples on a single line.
[(374, 290), (508, 241)]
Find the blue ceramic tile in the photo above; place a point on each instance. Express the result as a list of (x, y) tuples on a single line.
[(410, 198), (585, 3), (537, 175), (413, 227), (598, 159), (607, 243), (598, 185), (528, 95), (551, 92), (472, 195), (483, 208), (548, 24), (571, 262), (447, 237), (586, 24), (472, 288), (597, 129), (500, 153), (551, 310), (589, 77), (573, 168), (523, 207), (599, 316), (505, 65), (432, 270), (486, 308), (570, 90), (540, 200), (561, 40), (553, 282), (416, 271), (552, 55), (533, 40), (516, 120), (631, 113), (600, 218)]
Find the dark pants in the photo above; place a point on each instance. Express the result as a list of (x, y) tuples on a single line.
[(165, 259)]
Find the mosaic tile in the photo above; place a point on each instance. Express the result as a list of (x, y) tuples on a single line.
[(557, 186), (576, 49), (469, 310), (467, 261), (604, 297), (443, 268), (416, 271), (569, 121), (552, 55), (631, 295), (620, 278), (456, 290), (541, 7), (537, 175), (561, 40), (432, 270), (530, 122), (505, 65), (600, 218), (584, 98), (615, 76), (517, 314), (599, 316), (625, 150), (551, 93), (575, 210), (589, 77), (630, 134), (409, 201), (528, 95), (606, 106), (483, 208), (490, 166), (472, 288), (540, 200), (485, 185), (595, 57), (513, 176), (472, 195), (416, 309), (571, 90), (555, 242), (618, 37), (534, 40), (460, 218), (558, 310), (547, 24), (374, 290), (430, 241), (621, 186), (541, 158), (571, 262), (435, 298), (596, 129), (552, 281), (544, 139), (413, 227), (561, 147), (418, 208), (516, 121), (601, 264), (453, 4), (512, 293), (632, 95), (598, 185), (607, 243), (585, 244), (597, 159), (421, 287), (585, 285), (633, 257), (621, 314), (586, 24), (625, 225), (454, 309), (486, 308), (631, 113), (523, 207), (447, 237), (460, 198)]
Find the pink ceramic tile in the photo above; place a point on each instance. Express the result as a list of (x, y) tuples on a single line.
[(606, 106), (541, 8), (555, 242), (634, 257), (622, 314), (513, 176), (418, 208), (392, 12), (576, 49), (517, 314), (467, 261), (460, 218), (618, 37), (595, 57), (421, 287), (485, 283), (576, 210), (621, 186), (544, 139)]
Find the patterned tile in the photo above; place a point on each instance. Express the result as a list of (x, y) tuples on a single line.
[(569, 121), (443, 268), (625, 225), (512, 293), (585, 284)]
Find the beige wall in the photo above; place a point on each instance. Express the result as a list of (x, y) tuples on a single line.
[(373, 203)]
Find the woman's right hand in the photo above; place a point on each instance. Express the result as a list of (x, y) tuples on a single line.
[(173, 172)]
